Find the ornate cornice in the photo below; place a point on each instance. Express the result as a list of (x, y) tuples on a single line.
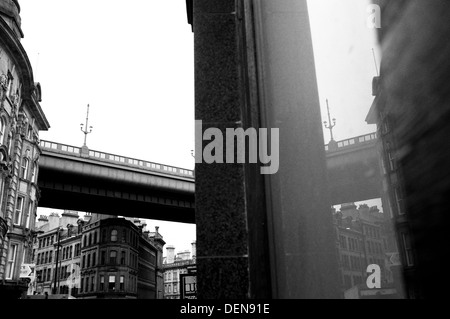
[(20, 57)]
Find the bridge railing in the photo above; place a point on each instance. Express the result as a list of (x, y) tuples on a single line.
[(355, 140), (123, 160)]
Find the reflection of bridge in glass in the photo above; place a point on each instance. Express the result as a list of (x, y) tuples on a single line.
[(87, 180), (354, 171)]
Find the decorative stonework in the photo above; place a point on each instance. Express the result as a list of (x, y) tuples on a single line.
[(3, 82)]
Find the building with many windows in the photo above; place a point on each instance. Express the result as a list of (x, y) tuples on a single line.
[(21, 119), (98, 256), (57, 246), (174, 266), (119, 259), (362, 240), (393, 192)]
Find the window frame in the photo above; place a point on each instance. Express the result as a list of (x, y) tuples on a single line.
[(11, 261), (18, 212)]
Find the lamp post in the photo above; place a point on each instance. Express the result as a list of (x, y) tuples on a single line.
[(85, 129), (328, 124), (55, 277)]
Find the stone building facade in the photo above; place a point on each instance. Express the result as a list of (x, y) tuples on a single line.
[(119, 259), (174, 266), (99, 257), (361, 241), (21, 119), (64, 232)]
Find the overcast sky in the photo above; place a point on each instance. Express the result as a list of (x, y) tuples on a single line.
[(133, 62)]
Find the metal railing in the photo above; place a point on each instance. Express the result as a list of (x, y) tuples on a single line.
[(112, 158), (355, 140)]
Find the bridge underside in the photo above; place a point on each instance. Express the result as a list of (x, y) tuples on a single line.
[(353, 183), (61, 190), (354, 176)]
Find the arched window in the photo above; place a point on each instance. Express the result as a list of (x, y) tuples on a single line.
[(114, 235), (95, 238), (2, 130), (24, 170), (90, 239)]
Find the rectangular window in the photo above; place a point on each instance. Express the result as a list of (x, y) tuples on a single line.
[(112, 257), (391, 159), (82, 285), (102, 283), (94, 257), (11, 261), (408, 249), (103, 260), (92, 284), (33, 174), (398, 199), (86, 288), (18, 211), (122, 283), (112, 283), (30, 210), (122, 259)]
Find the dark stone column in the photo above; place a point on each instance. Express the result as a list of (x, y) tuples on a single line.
[(222, 235)]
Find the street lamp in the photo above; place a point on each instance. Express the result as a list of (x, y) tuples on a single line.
[(328, 124), (55, 277)]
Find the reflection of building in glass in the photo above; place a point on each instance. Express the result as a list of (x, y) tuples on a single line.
[(21, 119), (393, 192), (174, 266), (362, 240)]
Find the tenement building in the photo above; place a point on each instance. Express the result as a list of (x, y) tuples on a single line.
[(57, 246), (174, 266), (119, 259), (362, 240), (21, 119), (97, 256)]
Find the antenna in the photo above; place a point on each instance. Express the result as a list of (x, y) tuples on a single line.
[(375, 60), (85, 130)]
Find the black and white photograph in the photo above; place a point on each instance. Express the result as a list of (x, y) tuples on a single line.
[(224, 154)]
